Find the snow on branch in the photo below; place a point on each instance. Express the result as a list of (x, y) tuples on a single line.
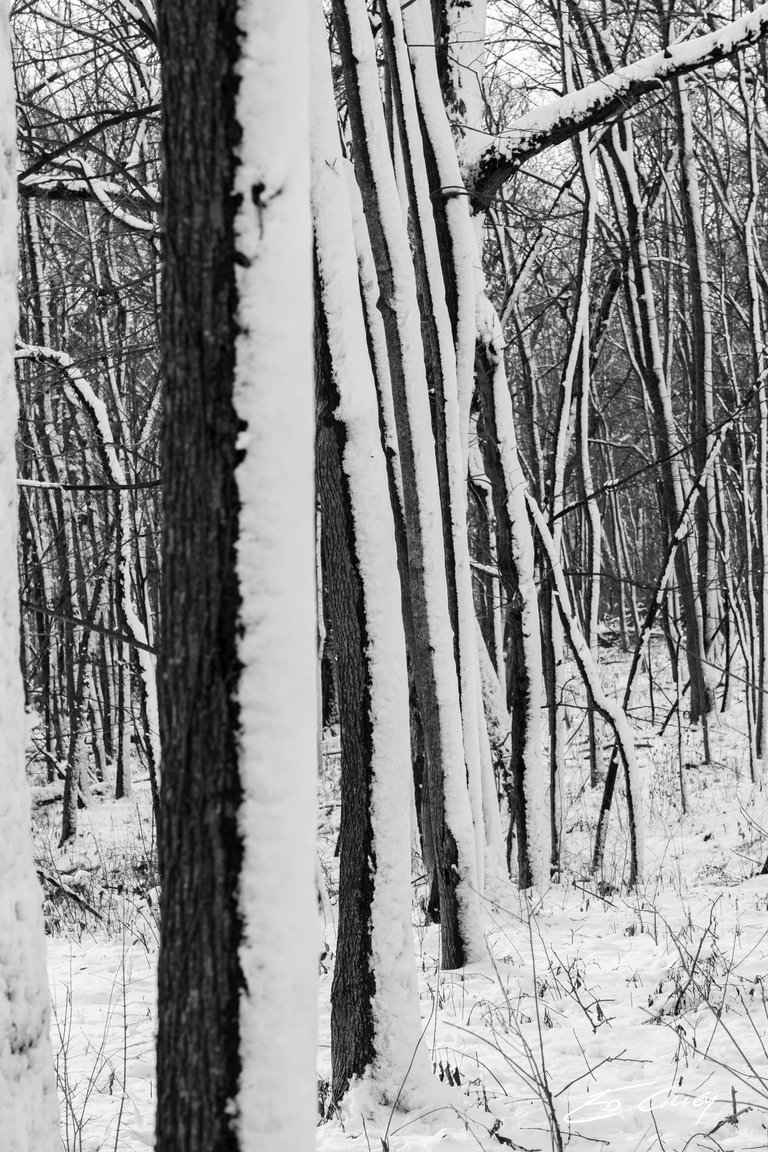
[(144, 15), (103, 193), (96, 409), (565, 117), (64, 185), (40, 162)]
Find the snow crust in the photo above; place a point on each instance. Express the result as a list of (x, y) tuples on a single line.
[(276, 1106), (466, 37), (369, 288)]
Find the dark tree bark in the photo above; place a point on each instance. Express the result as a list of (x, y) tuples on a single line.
[(354, 983), (200, 853)]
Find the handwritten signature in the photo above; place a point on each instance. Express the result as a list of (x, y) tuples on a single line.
[(608, 1102)]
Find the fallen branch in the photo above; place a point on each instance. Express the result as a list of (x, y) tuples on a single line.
[(47, 878)]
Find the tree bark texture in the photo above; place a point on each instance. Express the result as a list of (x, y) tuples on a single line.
[(352, 1038), (200, 849)]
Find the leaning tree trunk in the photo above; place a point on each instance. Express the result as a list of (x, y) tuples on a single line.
[(237, 966)]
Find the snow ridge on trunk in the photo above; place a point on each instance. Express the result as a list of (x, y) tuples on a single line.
[(465, 257), (536, 805), (274, 397)]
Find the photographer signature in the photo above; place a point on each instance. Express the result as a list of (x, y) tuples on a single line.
[(609, 1102)]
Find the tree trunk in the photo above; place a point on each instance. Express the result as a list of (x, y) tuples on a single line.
[(444, 797), (237, 965), (375, 1018), (354, 978)]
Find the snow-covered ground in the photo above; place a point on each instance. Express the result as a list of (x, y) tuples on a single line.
[(630, 1021), (102, 973), (103, 994)]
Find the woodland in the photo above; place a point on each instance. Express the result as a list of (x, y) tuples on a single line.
[(385, 524)]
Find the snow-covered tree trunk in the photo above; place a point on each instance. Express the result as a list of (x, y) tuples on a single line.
[(449, 829), (459, 32), (238, 959), (375, 1020), (527, 790), (582, 402), (702, 365), (28, 1103), (458, 29), (443, 269), (574, 378)]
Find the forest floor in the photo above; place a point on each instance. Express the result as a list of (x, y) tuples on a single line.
[(604, 1018)]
